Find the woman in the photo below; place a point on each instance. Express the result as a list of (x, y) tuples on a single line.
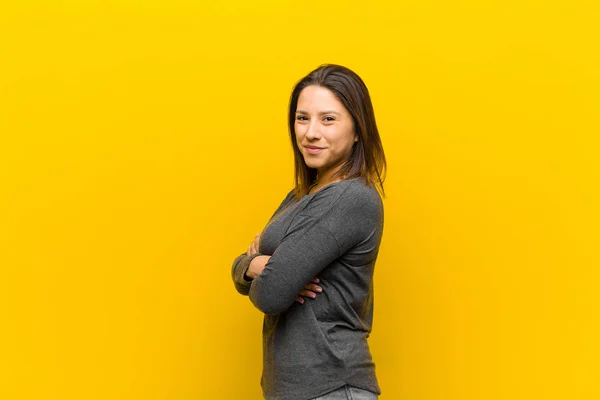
[(311, 269)]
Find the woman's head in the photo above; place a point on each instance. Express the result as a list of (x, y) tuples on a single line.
[(333, 130)]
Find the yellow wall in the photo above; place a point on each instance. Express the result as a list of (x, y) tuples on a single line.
[(144, 143)]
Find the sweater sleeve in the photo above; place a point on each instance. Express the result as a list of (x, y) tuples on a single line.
[(330, 225), (238, 272)]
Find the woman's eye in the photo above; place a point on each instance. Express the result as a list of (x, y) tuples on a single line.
[(301, 118), (329, 119)]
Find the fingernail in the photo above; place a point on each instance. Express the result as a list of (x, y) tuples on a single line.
[(313, 295), (318, 289)]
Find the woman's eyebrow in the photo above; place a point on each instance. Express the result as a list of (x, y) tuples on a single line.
[(321, 113)]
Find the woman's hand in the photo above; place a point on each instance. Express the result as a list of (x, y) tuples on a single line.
[(254, 246), (256, 266), (310, 290), (258, 263)]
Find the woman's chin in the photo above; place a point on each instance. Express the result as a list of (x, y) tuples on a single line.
[(311, 164), (314, 166)]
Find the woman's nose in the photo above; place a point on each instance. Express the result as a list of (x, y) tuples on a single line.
[(312, 131)]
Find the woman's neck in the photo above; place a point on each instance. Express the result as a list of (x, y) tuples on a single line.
[(325, 178)]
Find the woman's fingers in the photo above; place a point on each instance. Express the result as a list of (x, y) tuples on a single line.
[(314, 288), (254, 246), (256, 242), (308, 293), (310, 290)]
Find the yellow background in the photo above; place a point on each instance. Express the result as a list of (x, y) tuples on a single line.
[(144, 143)]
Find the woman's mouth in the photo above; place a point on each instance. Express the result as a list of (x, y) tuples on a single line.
[(313, 150)]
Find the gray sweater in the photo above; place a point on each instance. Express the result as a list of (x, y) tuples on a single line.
[(312, 348)]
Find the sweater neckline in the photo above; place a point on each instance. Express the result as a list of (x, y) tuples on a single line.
[(329, 184)]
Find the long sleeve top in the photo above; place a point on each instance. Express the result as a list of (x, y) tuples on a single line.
[(312, 348)]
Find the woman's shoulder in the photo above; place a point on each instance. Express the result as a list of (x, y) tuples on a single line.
[(347, 197), (358, 210), (359, 191)]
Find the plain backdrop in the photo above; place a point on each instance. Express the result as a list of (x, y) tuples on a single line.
[(143, 144)]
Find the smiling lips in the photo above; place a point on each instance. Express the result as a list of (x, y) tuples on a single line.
[(313, 149)]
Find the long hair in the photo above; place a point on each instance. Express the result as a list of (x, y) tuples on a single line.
[(367, 159)]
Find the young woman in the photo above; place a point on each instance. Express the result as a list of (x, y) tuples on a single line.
[(310, 271)]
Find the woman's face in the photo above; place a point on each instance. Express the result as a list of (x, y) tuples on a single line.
[(324, 130)]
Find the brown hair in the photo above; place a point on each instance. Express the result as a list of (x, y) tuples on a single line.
[(367, 159)]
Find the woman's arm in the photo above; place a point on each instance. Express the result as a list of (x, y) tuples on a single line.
[(255, 267), (238, 272), (294, 263), (331, 225)]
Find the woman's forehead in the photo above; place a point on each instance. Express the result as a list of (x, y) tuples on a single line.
[(318, 99)]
